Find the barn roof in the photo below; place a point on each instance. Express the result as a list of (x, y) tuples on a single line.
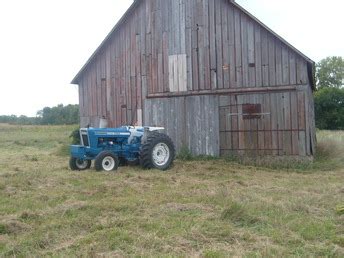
[(136, 3)]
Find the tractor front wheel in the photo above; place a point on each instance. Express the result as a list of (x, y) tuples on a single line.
[(157, 152), (78, 164), (106, 161)]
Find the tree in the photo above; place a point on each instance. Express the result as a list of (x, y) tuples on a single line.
[(59, 115), (329, 108), (329, 99), (330, 72)]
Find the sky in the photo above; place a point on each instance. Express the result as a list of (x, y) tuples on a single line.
[(44, 43)]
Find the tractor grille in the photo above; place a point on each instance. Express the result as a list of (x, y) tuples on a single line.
[(84, 138)]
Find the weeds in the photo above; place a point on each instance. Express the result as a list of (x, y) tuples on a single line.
[(185, 154), (75, 136), (329, 156), (340, 209), (3, 229), (238, 214)]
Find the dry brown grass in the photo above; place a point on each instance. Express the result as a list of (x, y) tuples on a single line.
[(198, 208)]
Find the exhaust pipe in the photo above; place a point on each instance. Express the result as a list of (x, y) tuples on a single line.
[(103, 123)]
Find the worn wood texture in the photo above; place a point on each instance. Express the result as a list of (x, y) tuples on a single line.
[(187, 64), (166, 46), (285, 125), (189, 121)]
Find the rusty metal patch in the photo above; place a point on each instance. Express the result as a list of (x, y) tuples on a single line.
[(252, 111)]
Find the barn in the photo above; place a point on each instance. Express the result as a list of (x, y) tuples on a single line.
[(218, 79)]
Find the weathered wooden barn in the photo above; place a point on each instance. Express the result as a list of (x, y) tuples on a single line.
[(218, 79)]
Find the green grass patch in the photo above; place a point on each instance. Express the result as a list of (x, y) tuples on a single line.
[(3, 229), (239, 214)]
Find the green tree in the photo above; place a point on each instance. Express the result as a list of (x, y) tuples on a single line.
[(21, 120), (59, 115), (329, 99), (330, 72), (329, 108)]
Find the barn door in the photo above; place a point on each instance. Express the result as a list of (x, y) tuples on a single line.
[(243, 125), (264, 124)]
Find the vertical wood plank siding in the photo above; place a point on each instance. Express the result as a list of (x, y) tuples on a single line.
[(280, 130), (188, 121), (225, 49)]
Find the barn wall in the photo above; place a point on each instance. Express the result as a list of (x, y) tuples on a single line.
[(114, 84), (223, 48), (282, 127), (216, 124), (186, 65), (169, 47), (190, 121)]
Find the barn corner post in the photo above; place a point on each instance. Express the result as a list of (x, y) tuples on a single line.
[(218, 79)]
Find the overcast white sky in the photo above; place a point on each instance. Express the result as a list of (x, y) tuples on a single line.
[(44, 43)]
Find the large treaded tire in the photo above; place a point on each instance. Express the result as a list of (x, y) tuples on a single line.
[(146, 153), (78, 165), (106, 161)]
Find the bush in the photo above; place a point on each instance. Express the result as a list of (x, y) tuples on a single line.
[(75, 136), (329, 108)]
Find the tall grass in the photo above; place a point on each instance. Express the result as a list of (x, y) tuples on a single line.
[(330, 150)]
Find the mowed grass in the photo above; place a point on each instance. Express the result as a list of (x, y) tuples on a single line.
[(198, 208)]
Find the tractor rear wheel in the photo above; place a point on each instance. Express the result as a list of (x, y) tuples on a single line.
[(78, 164), (106, 161), (157, 152)]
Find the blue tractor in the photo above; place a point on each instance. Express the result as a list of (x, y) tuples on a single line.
[(146, 146)]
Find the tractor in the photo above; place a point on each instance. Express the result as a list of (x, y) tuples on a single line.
[(109, 147)]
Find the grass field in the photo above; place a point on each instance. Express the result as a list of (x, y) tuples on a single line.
[(199, 208)]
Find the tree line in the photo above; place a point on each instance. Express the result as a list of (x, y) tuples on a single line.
[(59, 115), (329, 97)]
